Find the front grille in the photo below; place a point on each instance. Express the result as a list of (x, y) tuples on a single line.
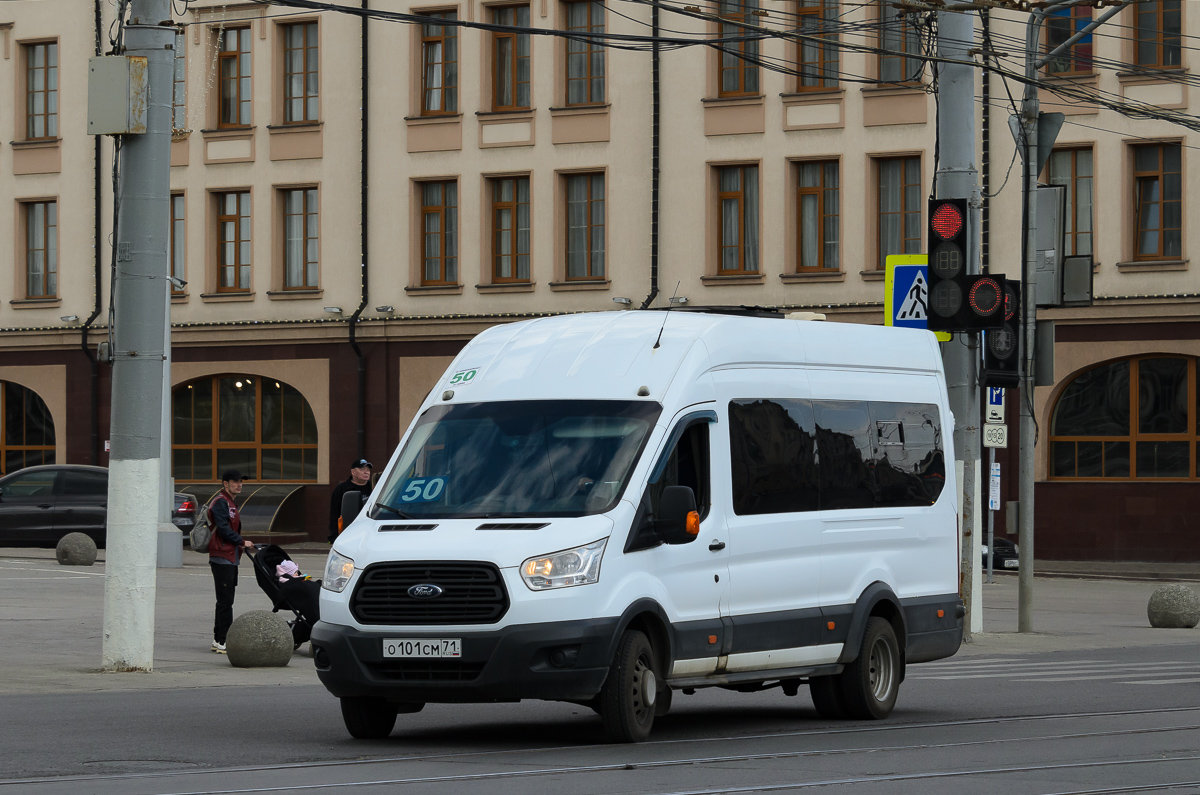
[(472, 593), (428, 670)]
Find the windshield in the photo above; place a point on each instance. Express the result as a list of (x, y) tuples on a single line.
[(516, 459)]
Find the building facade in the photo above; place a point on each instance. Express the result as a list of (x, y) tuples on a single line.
[(353, 201)]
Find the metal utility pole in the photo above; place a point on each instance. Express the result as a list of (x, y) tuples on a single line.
[(138, 352), (956, 178)]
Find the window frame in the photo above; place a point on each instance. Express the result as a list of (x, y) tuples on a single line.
[(179, 83), (828, 55), (49, 250), (590, 50), (590, 251), (889, 16), (222, 219), (48, 452), (744, 69), (1137, 179), (444, 234), (904, 209), (178, 263), (309, 192), (449, 33), (1077, 18), (1071, 231), (514, 207), (515, 40), (243, 38), (1160, 44), (744, 223), (820, 192), (305, 97), (48, 117)]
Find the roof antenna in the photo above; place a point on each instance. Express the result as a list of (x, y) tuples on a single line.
[(664, 323)]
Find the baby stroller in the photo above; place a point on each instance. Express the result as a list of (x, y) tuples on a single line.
[(302, 597)]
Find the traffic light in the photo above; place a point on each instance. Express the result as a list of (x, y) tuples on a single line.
[(1002, 346), (958, 302)]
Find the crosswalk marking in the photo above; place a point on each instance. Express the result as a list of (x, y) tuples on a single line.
[(1161, 682)]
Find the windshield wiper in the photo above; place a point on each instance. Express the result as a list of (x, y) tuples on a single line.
[(399, 513)]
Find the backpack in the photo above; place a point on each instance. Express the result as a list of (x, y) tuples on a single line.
[(202, 530)]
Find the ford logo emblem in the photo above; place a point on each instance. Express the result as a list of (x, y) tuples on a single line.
[(424, 591)]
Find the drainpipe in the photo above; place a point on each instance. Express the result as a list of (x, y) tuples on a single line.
[(654, 134), (97, 246), (362, 362)]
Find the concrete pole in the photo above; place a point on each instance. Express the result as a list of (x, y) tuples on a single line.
[(1029, 123), (957, 177), (137, 373)]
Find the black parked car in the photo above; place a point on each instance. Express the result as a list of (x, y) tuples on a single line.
[(39, 505), (1006, 555)]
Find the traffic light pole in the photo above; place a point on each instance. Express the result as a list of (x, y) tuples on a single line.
[(957, 177), (140, 301)]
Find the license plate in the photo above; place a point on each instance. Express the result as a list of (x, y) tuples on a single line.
[(1010, 564), (422, 647)]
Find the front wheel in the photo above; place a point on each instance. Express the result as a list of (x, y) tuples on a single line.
[(368, 718), (627, 700), (871, 683)]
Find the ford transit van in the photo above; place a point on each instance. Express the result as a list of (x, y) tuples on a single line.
[(614, 508)]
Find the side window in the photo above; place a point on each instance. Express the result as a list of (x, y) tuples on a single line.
[(773, 456), (85, 484), (909, 466), (33, 484), (845, 445), (686, 465)]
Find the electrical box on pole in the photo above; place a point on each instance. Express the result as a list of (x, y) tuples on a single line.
[(957, 301), (1002, 346), (1077, 278), (117, 95), (1051, 242)]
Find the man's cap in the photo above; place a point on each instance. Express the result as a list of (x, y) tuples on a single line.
[(361, 462), (231, 474)]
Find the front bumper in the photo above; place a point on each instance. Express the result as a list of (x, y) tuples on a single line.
[(558, 661)]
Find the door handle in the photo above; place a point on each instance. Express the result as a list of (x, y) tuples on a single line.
[(716, 546)]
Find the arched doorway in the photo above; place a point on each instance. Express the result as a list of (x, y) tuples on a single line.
[(27, 436), (260, 426)]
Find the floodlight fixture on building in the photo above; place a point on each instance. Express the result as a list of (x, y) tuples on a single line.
[(624, 301), (386, 309), (333, 310), (69, 318)]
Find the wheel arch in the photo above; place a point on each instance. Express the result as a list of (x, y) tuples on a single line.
[(647, 616), (877, 599)]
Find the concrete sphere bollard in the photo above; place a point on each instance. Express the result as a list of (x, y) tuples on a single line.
[(76, 549), (1174, 607), (259, 639)]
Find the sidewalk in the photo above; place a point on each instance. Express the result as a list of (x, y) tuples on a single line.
[(51, 620)]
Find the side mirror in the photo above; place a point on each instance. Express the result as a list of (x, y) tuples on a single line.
[(352, 503), (677, 518)]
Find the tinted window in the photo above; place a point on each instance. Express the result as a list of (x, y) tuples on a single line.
[(909, 466), (847, 454), (686, 465), (85, 484), (773, 456), (31, 484)]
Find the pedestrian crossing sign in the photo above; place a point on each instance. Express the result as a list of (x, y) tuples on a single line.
[(906, 293)]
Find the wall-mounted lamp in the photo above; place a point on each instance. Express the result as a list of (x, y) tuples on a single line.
[(623, 301), (679, 299), (69, 318), (333, 310), (177, 282), (386, 309)]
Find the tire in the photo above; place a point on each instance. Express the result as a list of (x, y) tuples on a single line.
[(368, 718), (627, 700), (871, 683), (662, 702), (826, 692)]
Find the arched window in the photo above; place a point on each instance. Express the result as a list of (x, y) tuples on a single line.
[(260, 426), (27, 438), (1131, 418)]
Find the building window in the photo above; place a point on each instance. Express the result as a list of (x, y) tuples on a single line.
[(1061, 25), (233, 242), (510, 60), (1073, 168), (439, 215), (819, 222), (585, 226), (899, 207), (1158, 195), (1158, 39), (585, 59), (899, 38), (1134, 418), (301, 75), (738, 72), (737, 200), (300, 244), (510, 229), (178, 241), (233, 57), (818, 54), (439, 58), (41, 90), (27, 437), (262, 427), (179, 83), (41, 249)]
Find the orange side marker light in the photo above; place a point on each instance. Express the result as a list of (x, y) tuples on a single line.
[(830, 625), (693, 523)]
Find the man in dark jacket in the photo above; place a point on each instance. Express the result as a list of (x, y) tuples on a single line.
[(225, 552), (360, 480)]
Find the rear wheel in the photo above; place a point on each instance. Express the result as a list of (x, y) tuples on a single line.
[(826, 692), (627, 700), (368, 718), (871, 683)]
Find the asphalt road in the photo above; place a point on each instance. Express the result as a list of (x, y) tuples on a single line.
[(1063, 711)]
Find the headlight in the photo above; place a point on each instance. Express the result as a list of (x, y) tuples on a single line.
[(578, 566), (338, 571)]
